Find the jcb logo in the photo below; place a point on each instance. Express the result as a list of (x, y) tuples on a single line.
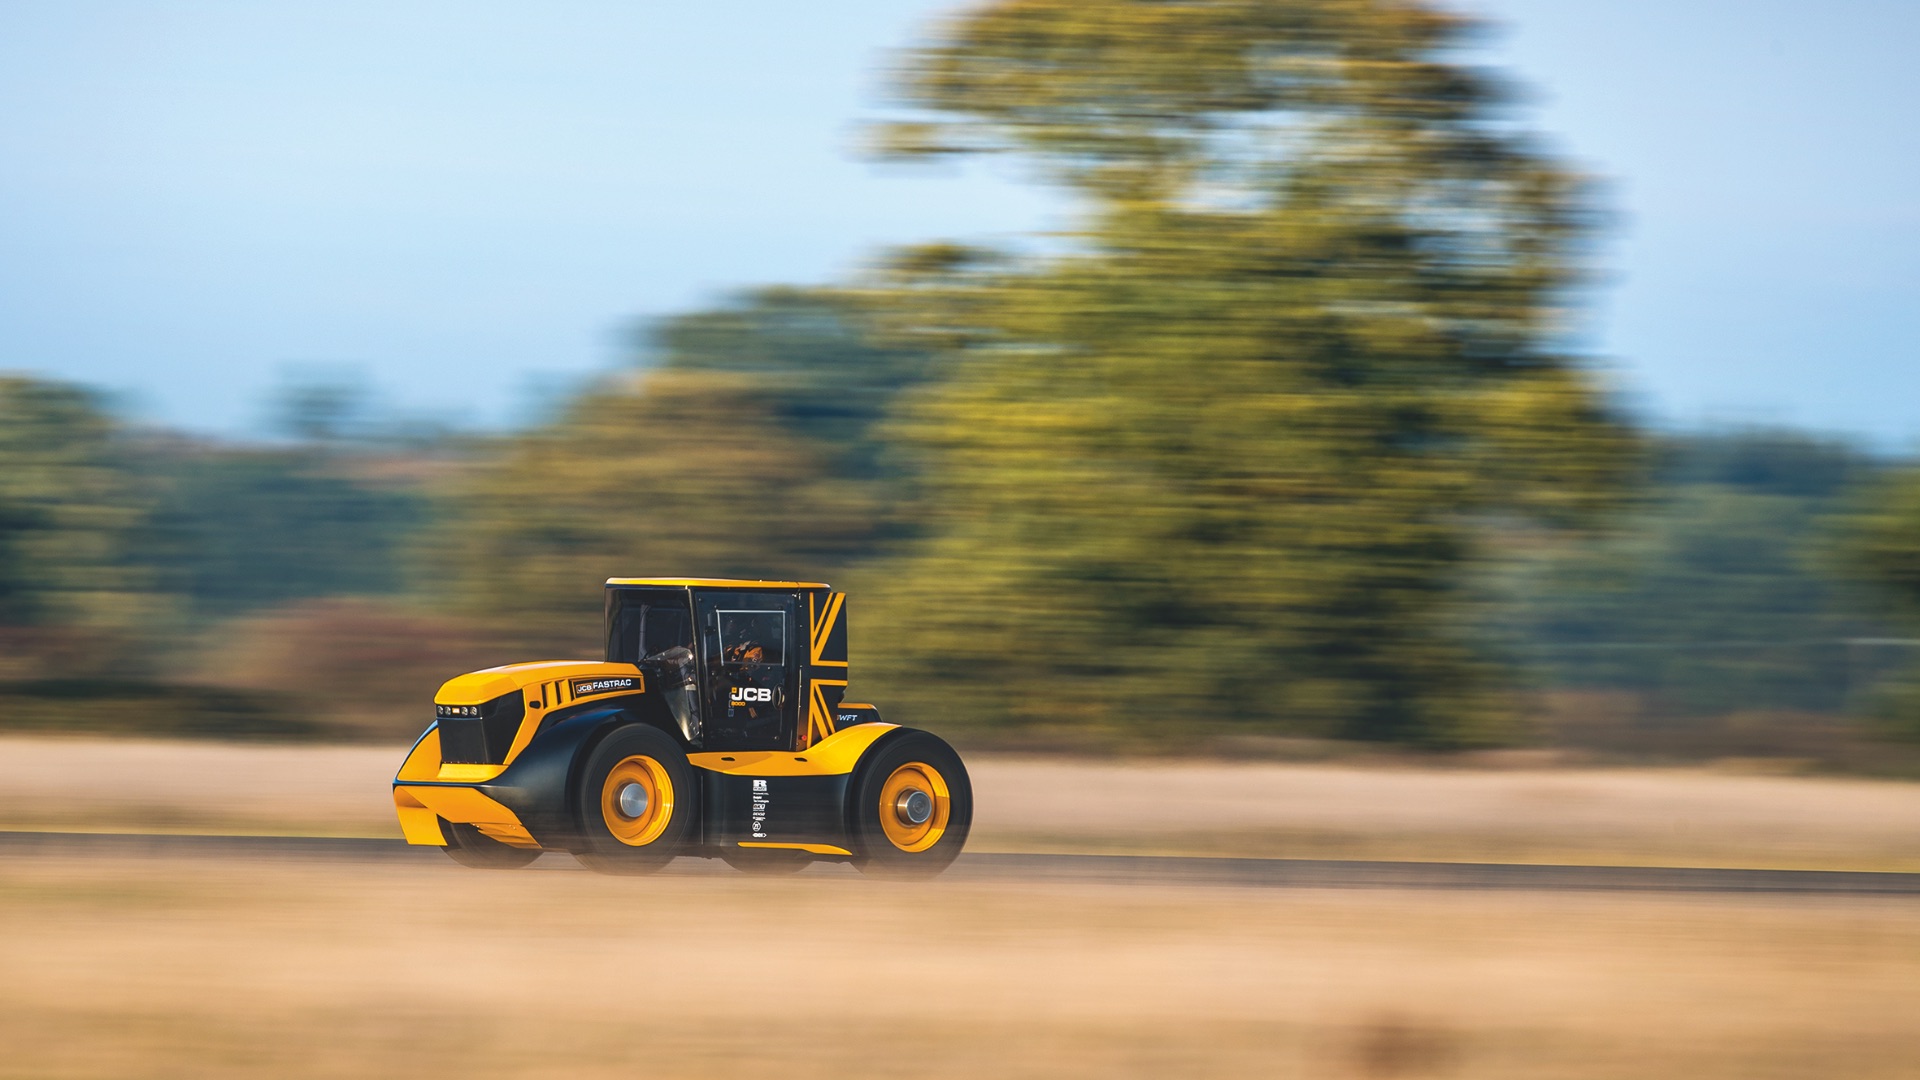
[(752, 695)]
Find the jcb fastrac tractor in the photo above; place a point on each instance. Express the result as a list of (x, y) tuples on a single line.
[(715, 727)]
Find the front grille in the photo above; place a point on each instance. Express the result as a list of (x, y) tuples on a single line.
[(483, 739)]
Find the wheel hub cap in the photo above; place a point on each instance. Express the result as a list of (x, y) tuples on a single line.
[(633, 800), (914, 807)]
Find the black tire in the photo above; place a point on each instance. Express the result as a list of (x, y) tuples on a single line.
[(468, 846), (767, 862), (615, 843), (886, 842)]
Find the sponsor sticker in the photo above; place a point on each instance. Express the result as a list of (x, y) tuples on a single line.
[(586, 687), (759, 805)]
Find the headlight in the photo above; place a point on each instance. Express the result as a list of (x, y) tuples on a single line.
[(480, 734)]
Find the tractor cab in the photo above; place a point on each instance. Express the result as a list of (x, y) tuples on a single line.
[(741, 665)]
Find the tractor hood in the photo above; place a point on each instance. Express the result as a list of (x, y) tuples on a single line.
[(548, 684)]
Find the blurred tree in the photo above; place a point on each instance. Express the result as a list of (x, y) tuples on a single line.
[(232, 530), (1711, 598), (1882, 543), (67, 505), (1221, 461), (671, 472), (1877, 543), (811, 356), (320, 405)]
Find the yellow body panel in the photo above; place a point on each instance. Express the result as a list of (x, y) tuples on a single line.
[(423, 761), (834, 755), (417, 823), (471, 806), (548, 682), (469, 774), (817, 849)]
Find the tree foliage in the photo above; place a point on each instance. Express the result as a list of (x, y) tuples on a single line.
[(1220, 462), (811, 357), (116, 543), (668, 473), (232, 530), (67, 506), (1712, 596), (746, 444), (1878, 544)]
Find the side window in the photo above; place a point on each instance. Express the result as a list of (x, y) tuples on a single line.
[(667, 628), (753, 637)]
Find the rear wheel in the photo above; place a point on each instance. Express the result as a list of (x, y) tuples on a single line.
[(636, 802), (913, 807), (468, 846)]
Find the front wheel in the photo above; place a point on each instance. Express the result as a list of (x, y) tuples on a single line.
[(913, 806), (636, 802), (468, 846)]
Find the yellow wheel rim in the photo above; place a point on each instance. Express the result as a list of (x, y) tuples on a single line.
[(637, 830), (906, 796)]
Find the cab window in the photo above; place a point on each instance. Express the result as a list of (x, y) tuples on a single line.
[(753, 637), (644, 622), (666, 628)]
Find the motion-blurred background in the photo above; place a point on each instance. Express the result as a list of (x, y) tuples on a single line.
[(1242, 376), (1426, 431)]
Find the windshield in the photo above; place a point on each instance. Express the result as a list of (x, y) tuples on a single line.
[(646, 622)]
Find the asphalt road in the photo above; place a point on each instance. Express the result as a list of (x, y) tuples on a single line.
[(1062, 868)]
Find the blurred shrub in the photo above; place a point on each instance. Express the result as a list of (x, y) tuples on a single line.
[(69, 601), (354, 668), (150, 709), (235, 529), (1221, 462), (1878, 544), (1711, 598)]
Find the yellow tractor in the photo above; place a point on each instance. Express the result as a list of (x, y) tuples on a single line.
[(715, 727)]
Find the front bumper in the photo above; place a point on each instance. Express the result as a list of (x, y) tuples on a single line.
[(421, 807)]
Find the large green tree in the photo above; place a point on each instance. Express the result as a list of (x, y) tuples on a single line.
[(1218, 456)]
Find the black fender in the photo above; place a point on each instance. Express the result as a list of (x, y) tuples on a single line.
[(848, 826), (541, 784)]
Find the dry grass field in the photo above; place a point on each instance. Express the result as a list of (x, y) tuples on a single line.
[(1691, 817), (212, 967)]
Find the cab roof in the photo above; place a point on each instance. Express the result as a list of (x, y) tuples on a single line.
[(716, 583)]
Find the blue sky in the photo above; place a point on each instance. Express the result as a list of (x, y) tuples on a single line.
[(469, 202)]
